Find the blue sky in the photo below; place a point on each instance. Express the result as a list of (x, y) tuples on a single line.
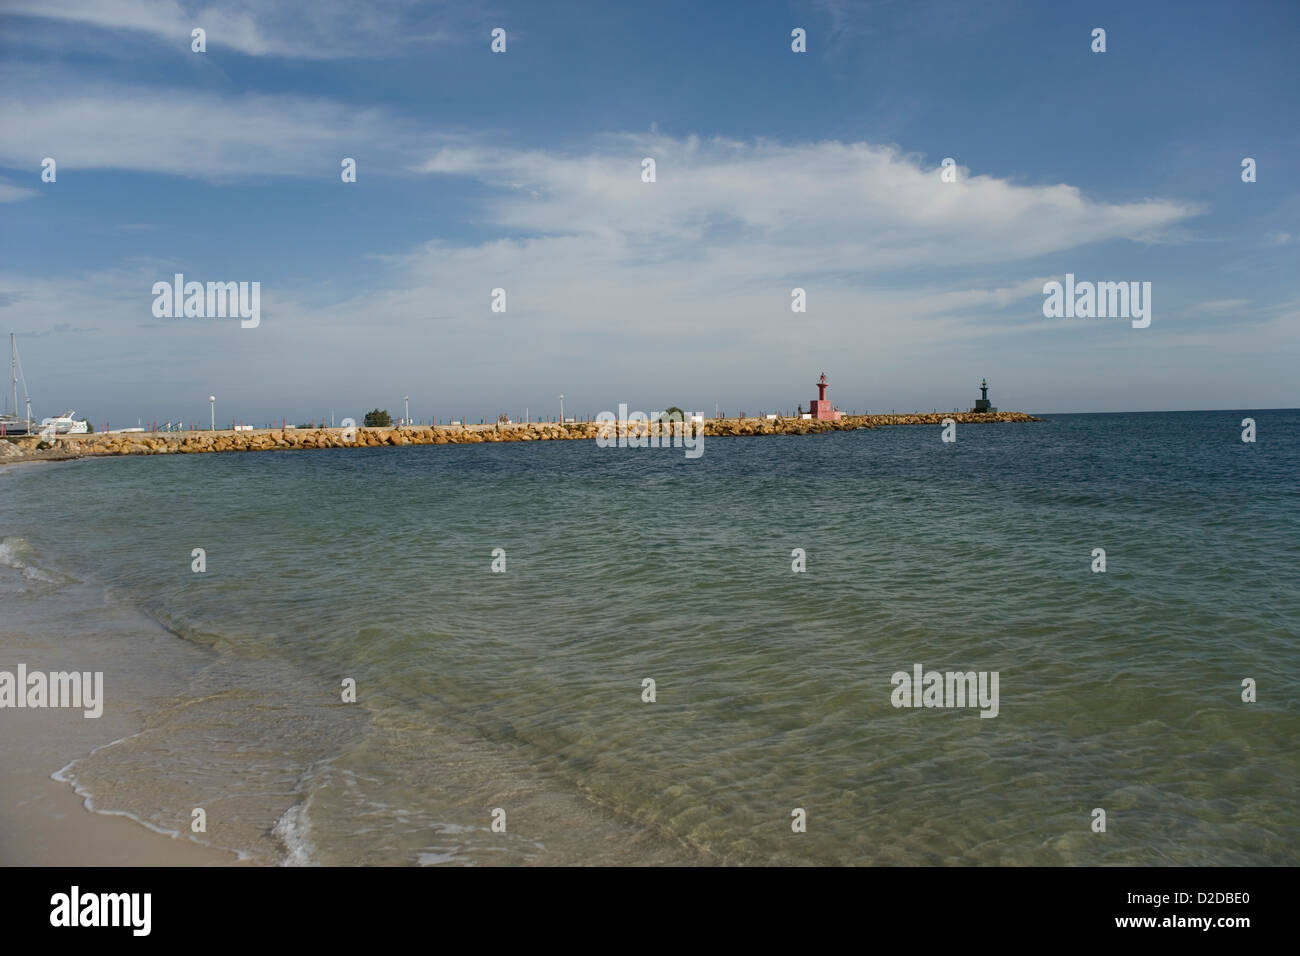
[(521, 171)]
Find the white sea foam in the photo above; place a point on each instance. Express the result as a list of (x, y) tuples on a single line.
[(17, 553), (43, 576), (437, 859), (65, 775), (14, 551), (293, 830)]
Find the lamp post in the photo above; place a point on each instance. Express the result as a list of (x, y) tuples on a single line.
[(406, 418), (212, 408), (561, 408)]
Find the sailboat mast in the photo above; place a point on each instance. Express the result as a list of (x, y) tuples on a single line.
[(13, 369)]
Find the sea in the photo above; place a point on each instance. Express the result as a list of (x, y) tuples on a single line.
[(559, 654)]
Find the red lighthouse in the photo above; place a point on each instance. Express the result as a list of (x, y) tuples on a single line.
[(821, 406)]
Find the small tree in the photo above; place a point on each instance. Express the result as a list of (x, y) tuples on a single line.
[(673, 414), (378, 419)]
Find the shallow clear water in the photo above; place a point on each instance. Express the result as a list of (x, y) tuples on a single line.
[(523, 690)]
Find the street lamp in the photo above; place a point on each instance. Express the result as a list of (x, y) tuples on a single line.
[(561, 408), (212, 407), (406, 419)]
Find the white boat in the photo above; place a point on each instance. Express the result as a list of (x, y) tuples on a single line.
[(65, 424), (11, 424)]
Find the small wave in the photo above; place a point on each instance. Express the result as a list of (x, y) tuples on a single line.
[(43, 577), (292, 830), (439, 859), (65, 775), (15, 552)]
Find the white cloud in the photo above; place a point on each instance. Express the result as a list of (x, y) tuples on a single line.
[(193, 134), (749, 209), (1223, 305), (12, 193), (814, 208), (306, 29)]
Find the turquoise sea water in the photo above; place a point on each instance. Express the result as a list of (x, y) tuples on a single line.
[(522, 690)]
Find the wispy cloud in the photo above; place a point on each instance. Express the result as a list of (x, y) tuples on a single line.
[(303, 29), (12, 193), (193, 134), (1220, 306)]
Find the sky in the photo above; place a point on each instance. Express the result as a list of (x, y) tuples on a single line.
[(522, 170)]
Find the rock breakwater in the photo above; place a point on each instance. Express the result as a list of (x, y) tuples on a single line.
[(192, 443)]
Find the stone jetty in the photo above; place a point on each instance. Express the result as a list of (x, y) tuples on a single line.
[(61, 447)]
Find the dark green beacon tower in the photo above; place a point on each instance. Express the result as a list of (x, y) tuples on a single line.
[(982, 403)]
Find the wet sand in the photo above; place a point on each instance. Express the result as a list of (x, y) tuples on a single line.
[(43, 821)]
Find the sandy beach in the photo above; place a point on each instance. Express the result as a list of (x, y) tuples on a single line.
[(44, 821)]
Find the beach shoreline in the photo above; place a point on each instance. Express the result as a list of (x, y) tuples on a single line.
[(44, 819), (45, 822), (180, 727)]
